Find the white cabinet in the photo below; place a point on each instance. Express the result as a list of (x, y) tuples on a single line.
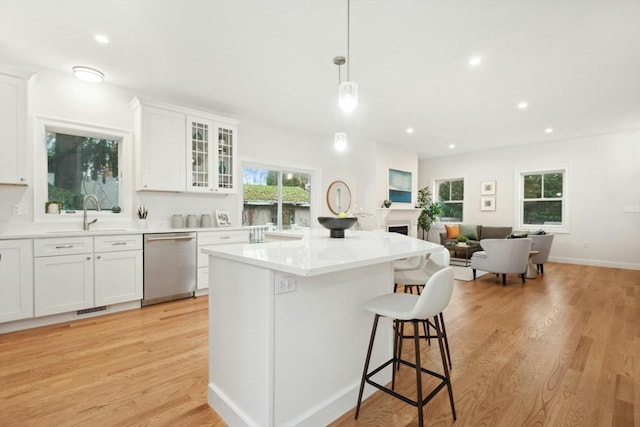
[(159, 148), (13, 127), (184, 150), (118, 269), (71, 275), (16, 280), (211, 238), (211, 156), (63, 274)]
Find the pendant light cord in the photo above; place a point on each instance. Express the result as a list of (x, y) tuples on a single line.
[(348, 34)]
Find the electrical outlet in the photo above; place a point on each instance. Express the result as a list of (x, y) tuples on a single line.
[(285, 284), (19, 209)]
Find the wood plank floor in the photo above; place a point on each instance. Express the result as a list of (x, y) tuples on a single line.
[(562, 350)]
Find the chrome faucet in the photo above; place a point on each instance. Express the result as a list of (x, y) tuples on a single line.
[(88, 197)]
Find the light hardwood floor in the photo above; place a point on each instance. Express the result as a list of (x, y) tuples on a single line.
[(562, 350)]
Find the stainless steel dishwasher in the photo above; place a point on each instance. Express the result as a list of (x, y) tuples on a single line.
[(169, 267)]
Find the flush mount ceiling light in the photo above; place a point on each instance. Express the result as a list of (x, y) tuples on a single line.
[(347, 90), (548, 130), (409, 131), (101, 38), (340, 141), (452, 146), (88, 74), (522, 105), (475, 61)]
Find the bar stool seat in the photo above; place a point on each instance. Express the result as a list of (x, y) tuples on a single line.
[(404, 307)]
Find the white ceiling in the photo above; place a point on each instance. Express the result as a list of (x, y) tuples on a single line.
[(576, 63)]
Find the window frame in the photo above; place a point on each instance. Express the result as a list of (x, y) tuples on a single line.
[(519, 200), (42, 125), (436, 197), (314, 197)]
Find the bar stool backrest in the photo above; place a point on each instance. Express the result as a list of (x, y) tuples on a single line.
[(435, 296)]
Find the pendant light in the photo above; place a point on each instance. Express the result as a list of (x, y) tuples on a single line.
[(347, 90), (340, 141)]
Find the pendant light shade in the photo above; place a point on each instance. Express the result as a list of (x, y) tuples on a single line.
[(340, 141), (348, 96)]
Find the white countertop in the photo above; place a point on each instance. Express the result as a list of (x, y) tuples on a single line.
[(39, 233), (316, 253)]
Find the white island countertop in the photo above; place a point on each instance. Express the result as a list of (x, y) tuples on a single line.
[(316, 253)]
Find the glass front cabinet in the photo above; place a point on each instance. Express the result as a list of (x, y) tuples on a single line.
[(212, 156)]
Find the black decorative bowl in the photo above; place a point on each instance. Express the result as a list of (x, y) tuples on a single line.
[(336, 225)]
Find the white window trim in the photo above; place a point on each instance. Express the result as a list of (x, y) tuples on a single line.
[(560, 229), (316, 184), (434, 197), (42, 125)]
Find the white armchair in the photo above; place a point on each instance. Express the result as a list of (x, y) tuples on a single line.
[(542, 244), (502, 256)]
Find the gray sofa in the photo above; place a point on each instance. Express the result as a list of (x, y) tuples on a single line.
[(475, 233)]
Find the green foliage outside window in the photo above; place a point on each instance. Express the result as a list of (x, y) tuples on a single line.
[(543, 198)]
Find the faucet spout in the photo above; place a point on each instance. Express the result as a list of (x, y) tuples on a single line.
[(85, 202)]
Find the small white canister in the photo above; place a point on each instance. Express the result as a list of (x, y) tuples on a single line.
[(205, 221), (192, 221), (177, 221)]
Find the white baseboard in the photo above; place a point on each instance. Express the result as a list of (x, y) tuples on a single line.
[(596, 263), (19, 325)]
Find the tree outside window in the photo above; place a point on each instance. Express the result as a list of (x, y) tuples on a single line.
[(543, 198), (451, 198)]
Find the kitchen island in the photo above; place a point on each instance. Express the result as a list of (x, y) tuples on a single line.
[(287, 330)]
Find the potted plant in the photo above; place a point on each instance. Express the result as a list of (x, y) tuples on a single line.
[(462, 240), (430, 211), (142, 213)]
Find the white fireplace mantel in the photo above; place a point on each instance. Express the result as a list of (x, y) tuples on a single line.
[(399, 216)]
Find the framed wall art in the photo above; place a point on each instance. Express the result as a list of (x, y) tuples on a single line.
[(222, 219), (487, 203), (399, 186), (487, 188)]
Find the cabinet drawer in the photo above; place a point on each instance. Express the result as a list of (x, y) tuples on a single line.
[(62, 246), (222, 237), (127, 242)]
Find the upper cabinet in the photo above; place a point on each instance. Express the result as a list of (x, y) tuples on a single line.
[(211, 154), (180, 149), (13, 126)]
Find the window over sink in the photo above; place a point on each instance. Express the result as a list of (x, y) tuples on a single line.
[(73, 160)]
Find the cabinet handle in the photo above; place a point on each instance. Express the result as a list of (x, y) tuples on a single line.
[(99, 257), (88, 258), (22, 179), (224, 237), (118, 243), (64, 247)]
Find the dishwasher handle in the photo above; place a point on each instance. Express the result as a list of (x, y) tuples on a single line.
[(153, 239)]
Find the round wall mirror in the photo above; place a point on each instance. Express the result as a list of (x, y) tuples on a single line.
[(338, 197)]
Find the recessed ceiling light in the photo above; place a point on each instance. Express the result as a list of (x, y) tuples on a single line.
[(88, 74), (522, 105), (475, 61), (101, 38), (409, 130), (452, 145), (548, 130)]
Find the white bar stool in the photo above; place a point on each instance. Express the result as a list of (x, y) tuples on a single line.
[(412, 308)]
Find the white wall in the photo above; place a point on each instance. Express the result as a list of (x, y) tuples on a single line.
[(62, 96), (604, 177)]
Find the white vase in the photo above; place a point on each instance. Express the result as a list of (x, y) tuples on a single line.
[(141, 223)]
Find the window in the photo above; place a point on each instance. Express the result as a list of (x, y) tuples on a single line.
[(451, 197), (73, 160), (81, 165), (277, 197), (542, 201)]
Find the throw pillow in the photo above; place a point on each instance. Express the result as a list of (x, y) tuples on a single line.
[(453, 231), (469, 231)]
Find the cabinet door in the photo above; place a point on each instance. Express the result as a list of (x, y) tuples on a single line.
[(226, 161), (13, 142), (16, 280), (118, 277), (160, 153), (200, 155), (63, 283)]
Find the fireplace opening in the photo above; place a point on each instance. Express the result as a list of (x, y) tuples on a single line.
[(402, 229)]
